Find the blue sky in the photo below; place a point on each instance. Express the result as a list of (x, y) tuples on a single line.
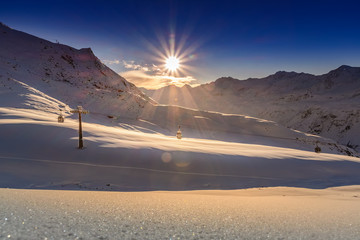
[(220, 38)]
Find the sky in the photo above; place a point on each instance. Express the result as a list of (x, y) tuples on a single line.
[(211, 39)]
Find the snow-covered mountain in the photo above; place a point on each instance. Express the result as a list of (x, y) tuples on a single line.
[(327, 105), (37, 74), (76, 77), (130, 139)]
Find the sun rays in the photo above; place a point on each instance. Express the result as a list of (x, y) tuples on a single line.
[(170, 60)]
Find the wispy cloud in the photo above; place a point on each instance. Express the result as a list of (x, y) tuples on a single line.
[(150, 76), (143, 67), (110, 62), (146, 80)]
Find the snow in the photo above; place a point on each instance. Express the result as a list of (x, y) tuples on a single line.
[(39, 152), (131, 145), (130, 139), (117, 137), (327, 105), (260, 213), (76, 77)]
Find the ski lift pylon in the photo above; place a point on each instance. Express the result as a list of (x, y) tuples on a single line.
[(317, 148), (60, 117), (178, 134)]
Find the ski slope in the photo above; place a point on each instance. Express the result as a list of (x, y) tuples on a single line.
[(121, 154)]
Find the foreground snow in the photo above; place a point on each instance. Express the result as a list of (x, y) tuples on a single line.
[(264, 213)]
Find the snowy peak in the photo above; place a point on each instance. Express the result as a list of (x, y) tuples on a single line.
[(2, 25), (284, 74), (343, 68), (186, 86), (54, 59), (225, 82), (345, 72), (280, 75)]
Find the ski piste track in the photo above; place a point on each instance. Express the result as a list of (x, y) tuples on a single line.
[(135, 168)]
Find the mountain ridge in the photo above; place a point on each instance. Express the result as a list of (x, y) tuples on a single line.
[(301, 101)]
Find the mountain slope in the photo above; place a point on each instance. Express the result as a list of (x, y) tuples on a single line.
[(73, 76), (39, 152), (328, 105)]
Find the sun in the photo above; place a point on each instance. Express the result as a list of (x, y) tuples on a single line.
[(172, 63)]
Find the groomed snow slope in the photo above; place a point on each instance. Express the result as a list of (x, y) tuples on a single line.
[(38, 152)]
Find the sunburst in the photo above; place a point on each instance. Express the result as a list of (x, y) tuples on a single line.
[(173, 57), (172, 63)]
